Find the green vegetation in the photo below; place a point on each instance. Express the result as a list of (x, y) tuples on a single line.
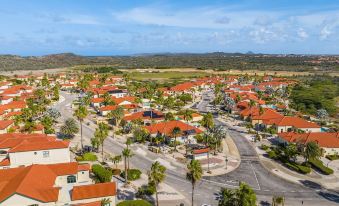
[(132, 174), (217, 60), (242, 196), (166, 75), (332, 157), (298, 168), (318, 94), (318, 165), (87, 157), (102, 174), (103, 69), (134, 203)]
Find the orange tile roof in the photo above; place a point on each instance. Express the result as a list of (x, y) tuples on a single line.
[(36, 146), (157, 115), (5, 162), (5, 124), (292, 121), (122, 99), (268, 114), (35, 181), (94, 191), (323, 139), (167, 127), (182, 87), (201, 151), (97, 100)]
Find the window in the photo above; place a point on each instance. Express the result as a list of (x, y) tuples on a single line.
[(71, 179), (45, 153)]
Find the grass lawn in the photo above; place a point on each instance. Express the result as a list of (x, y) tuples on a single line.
[(166, 75), (134, 203)]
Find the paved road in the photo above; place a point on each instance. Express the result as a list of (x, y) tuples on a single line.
[(253, 173), (205, 191), (250, 170)]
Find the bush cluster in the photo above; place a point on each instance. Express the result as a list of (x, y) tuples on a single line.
[(102, 174), (298, 168), (133, 174), (318, 165)]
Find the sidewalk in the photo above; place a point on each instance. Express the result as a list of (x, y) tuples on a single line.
[(326, 181)]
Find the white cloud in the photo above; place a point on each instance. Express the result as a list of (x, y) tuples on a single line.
[(302, 33)]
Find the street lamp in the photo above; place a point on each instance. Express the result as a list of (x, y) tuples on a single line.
[(226, 160)]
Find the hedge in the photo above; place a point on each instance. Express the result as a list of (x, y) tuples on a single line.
[(332, 157), (101, 173), (298, 168), (133, 174), (134, 203), (318, 165)]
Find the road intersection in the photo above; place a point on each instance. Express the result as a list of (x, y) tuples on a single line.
[(250, 170)]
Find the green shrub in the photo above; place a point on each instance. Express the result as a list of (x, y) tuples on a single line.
[(102, 174), (264, 147), (145, 190), (332, 157), (318, 165), (298, 168), (133, 174), (271, 154), (134, 203)]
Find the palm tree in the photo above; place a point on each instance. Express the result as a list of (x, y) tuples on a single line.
[(206, 141), (251, 104), (207, 121), (105, 202), (69, 128), (156, 176), (117, 114), (194, 174), (278, 201), (116, 159), (311, 151), (81, 113), (175, 132), (128, 143), (101, 133), (126, 153), (188, 116)]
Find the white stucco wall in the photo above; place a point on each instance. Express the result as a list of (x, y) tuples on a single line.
[(18, 200), (36, 157)]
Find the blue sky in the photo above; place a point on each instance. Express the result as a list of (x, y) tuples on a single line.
[(119, 27)]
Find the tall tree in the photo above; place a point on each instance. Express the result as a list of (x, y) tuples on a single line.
[(175, 132), (117, 115), (81, 113), (101, 133), (194, 174), (116, 159), (69, 128), (311, 151), (207, 121), (126, 153), (156, 176)]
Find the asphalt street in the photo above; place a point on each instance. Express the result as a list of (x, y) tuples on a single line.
[(250, 170)]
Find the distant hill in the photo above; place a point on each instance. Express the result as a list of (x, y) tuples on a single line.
[(216, 60)]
